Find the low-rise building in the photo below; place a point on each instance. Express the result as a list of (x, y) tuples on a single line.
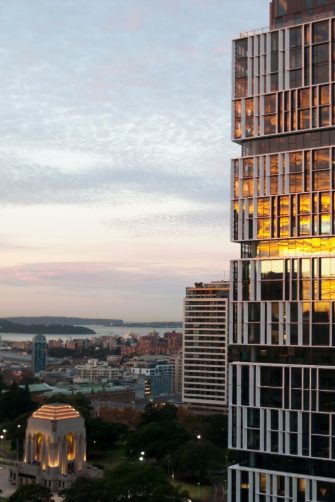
[(96, 370), (155, 375)]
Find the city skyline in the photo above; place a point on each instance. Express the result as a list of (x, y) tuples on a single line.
[(115, 146)]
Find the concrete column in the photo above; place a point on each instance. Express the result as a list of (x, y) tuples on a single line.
[(64, 456), (77, 449)]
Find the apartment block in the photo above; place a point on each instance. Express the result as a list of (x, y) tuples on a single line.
[(205, 347), (282, 311)]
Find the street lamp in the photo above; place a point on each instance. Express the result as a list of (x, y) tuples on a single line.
[(199, 436), (141, 459), (142, 453)]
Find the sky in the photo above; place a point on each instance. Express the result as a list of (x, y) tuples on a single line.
[(115, 153)]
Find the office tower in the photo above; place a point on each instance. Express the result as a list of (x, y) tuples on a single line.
[(39, 354), (205, 347), (282, 331)]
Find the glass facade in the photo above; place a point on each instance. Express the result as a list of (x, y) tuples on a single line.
[(39, 353), (282, 294)]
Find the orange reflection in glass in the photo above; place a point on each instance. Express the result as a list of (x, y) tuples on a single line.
[(325, 202), (284, 205), (263, 228), (296, 247), (304, 204), (284, 227)]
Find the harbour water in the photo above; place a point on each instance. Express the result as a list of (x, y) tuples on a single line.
[(100, 331)]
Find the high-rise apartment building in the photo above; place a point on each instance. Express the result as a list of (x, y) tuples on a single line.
[(205, 347), (282, 318), (39, 354)]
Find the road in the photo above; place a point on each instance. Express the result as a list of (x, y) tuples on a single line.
[(219, 492)]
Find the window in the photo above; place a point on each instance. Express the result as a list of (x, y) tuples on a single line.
[(241, 48), (295, 37), (320, 63), (270, 103), (296, 78), (305, 98), (270, 124), (321, 159), (295, 162), (296, 58), (282, 7), (320, 32)]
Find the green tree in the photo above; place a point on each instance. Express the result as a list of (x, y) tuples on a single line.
[(3, 385), (15, 402), (32, 493), (87, 490), (141, 482), (101, 434), (197, 459), (130, 482), (158, 412), (157, 439), (216, 429)]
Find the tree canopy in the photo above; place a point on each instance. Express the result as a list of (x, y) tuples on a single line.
[(32, 493), (197, 459), (14, 402), (158, 412), (157, 439), (103, 434), (134, 482)]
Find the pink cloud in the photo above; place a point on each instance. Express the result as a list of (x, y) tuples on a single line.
[(134, 21)]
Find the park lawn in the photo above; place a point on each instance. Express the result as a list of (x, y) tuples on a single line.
[(113, 458), (6, 444), (196, 493)]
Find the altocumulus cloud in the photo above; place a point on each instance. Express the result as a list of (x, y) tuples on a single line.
[(122, 105)]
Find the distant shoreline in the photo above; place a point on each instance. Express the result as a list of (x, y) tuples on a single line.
[(77, 322), (99, 331), (44, 329)]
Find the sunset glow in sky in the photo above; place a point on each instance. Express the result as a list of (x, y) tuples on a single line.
[(115, 153)]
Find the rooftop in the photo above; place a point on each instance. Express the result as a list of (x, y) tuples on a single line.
[(289, 24), (56, 411)]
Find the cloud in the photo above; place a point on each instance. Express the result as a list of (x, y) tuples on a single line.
[(114, 131), (134, 21), (110, 276)]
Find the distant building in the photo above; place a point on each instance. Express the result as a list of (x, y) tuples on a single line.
[(154, 376), (95, 371), (55, 448), (205, 347), (177, 362), (39, 354), (154, 344)]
